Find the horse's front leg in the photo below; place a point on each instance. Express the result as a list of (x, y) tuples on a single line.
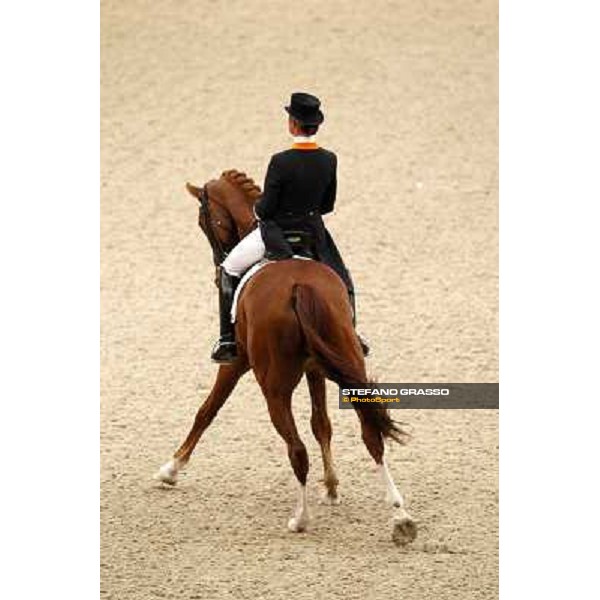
[(227, 378)]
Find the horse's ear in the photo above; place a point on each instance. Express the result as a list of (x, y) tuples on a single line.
[(193, 190)]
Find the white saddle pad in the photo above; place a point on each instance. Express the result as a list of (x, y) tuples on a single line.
[(246, 276)]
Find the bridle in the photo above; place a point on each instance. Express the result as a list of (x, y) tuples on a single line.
[(218, 249)]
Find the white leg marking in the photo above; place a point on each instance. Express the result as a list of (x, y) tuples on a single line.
[(299, 521), (169, 471), (404, 528), (328, 500), (392, 496)]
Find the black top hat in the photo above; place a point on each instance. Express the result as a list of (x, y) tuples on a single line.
[(305, 109)]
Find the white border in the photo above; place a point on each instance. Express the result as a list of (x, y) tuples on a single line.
[(49, 247), (549, 165), (549, 299)]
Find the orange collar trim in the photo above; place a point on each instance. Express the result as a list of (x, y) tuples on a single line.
[(305, 146)]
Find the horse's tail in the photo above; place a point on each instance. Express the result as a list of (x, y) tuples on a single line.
[(340, 363)]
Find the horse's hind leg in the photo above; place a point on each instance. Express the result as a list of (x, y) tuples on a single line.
[(404, 528), (321, 427), (227, 378)]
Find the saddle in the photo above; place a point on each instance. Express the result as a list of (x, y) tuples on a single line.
[(302, 243)]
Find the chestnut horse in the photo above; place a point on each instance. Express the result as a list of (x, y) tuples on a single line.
[(293, 319)]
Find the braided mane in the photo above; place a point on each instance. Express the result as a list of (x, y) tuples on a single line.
[(242, 181)]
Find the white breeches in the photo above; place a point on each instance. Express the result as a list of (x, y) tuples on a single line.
[(247, 252)]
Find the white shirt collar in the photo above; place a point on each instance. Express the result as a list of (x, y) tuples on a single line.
[(304, 139)]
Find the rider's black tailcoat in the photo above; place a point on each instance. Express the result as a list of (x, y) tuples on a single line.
[(297, 183), (300, 187)]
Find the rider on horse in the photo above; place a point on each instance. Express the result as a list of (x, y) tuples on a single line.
[(300, 187)]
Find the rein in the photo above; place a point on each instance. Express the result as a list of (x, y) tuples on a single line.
[(219, 252)]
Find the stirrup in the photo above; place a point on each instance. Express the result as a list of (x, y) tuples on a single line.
[(224, 351)]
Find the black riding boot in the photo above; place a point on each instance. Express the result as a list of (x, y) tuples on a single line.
[(363, 343), (225, 350)]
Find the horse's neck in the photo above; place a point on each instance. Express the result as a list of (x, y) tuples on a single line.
[(243, 216), (239, 205)]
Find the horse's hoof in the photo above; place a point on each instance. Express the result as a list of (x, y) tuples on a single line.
[(404, 528), (329, 499), (297, 525), (167, 473)]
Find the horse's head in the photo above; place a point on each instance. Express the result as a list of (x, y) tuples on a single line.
[(225, 210), (215, 220)]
